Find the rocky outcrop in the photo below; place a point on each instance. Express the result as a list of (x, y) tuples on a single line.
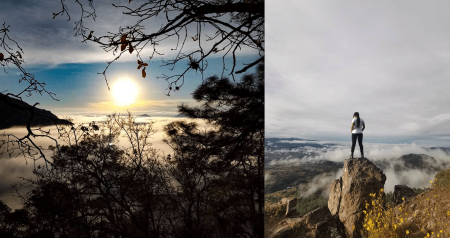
[(316, 224), (402, 193), (343, 217), (14, 112), (334, 200), (349, 193), (291, 206)]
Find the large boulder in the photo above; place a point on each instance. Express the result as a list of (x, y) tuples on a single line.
[(349, 193), (402, 193), (291, 206)]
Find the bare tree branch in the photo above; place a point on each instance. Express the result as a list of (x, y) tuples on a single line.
[(239, 24)]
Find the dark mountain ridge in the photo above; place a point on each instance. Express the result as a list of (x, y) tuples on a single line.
[(14, 112)]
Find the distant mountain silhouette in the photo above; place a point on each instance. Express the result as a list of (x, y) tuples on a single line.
[(180, 115), (413, 161), (288, 139), (144, 115), (14, 112)]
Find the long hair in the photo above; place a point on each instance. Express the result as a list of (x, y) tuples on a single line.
[(357, 119)]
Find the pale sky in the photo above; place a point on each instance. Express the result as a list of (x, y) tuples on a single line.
[(387, 60)]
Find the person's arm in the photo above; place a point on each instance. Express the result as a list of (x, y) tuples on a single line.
[(364, 126), (352, 127)]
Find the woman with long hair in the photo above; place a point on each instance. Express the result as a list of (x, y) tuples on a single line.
[(358, 127)]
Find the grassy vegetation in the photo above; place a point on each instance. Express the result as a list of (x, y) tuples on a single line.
[(418, 190), (308, 204), (443, 179), (389, 201), (304, 205), (289, 193), (277, 196)]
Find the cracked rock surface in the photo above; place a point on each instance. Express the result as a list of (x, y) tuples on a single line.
[(349, 193)]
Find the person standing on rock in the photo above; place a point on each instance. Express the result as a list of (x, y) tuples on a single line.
[(358, 127)]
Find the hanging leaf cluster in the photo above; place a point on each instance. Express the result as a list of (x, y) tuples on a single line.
[(124, 44), (140, 65), (123, 41)]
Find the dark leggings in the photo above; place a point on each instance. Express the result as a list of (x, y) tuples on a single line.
[(360, 138)]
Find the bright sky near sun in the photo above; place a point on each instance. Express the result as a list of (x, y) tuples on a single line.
[(70, 68), (125, 92)]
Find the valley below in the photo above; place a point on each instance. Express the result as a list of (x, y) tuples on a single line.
[(310, 166)]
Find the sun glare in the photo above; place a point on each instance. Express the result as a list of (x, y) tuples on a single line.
[(125, 92)]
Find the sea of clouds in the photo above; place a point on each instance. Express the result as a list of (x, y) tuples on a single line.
[(16, 167), (396, 171)]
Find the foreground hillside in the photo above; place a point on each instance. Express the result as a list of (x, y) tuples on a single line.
[(357, 208)]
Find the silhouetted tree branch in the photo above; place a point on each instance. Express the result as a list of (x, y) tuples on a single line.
[(238, 25), (11, 54), (224, 165)]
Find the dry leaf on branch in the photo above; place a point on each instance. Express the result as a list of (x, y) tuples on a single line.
[(1, 56), (123, 38), (140, 64), (123, 47), (130, 49), (144, 73), (90, 35)]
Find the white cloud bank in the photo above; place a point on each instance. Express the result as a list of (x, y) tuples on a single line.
[(397, 173)]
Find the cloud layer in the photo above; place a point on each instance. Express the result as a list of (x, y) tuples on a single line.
[(387, 155), (11, 169)]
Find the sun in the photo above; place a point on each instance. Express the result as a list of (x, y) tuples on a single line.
[(125, 92)]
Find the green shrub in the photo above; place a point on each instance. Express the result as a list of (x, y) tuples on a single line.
[(389, 201), (443, 178), (418, 190), (308, 204)]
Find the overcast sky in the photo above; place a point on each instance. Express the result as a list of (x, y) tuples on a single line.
[(387, 60)]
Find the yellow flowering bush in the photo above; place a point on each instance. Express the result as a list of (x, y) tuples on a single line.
[(425, 216), (381, 221)]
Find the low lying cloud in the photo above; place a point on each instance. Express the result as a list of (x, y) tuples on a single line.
[(13, 168), (151, 107), (384, 155), (290, 162), (377, 152), (322, 183)]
